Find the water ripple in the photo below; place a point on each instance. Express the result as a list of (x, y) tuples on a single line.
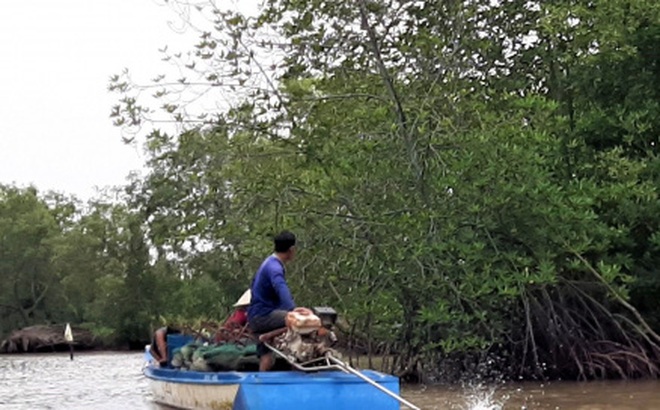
[(53, 381)]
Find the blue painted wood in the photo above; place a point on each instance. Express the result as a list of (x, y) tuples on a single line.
[(174, 342), (329, 390), (317, 391), (171, 375)]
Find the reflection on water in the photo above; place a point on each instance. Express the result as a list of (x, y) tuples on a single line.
[(114, 381)]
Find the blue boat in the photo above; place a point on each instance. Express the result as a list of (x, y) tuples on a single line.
[(318, 381), (327, 390), (338, 387)]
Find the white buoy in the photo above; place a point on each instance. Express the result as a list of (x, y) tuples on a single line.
[(68, 336)]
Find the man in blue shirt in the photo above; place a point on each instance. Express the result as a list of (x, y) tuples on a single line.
[(271, 299)]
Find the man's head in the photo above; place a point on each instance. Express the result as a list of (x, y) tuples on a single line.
[(285, 245)]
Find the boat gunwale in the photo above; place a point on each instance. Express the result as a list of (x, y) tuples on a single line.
[(227, 378)]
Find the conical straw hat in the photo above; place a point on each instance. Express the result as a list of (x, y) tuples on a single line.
[(244, 300)]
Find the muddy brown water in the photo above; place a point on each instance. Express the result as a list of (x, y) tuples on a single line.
[(115, 381), (609, 395)]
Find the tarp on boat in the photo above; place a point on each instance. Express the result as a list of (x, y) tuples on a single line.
[(212, 358)]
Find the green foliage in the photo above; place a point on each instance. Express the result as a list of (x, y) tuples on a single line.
[(64, 262), (26, 248), (464, 177)]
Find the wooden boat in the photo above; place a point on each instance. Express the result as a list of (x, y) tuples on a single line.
[(331, 390), (322, 383)]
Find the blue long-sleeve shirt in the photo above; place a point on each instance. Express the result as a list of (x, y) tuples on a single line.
[(269, 289)]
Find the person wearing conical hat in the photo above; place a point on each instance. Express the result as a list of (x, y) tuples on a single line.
[(235, 325), (239, 318)]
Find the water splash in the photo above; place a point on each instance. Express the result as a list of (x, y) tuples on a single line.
[(483, 398)]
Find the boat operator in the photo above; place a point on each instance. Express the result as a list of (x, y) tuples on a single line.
[(271, 298)]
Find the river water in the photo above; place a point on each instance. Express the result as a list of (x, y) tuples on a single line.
[(114, 381)]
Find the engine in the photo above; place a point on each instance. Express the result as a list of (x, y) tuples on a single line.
[(308, 334)]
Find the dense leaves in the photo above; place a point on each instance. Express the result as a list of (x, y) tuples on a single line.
[(470, 179)]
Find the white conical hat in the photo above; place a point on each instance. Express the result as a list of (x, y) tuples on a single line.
[(244, 300)]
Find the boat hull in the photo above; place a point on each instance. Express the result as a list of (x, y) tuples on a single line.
[(181, 394), (329, 390)]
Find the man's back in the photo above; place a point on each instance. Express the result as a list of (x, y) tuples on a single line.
[(269, 289)]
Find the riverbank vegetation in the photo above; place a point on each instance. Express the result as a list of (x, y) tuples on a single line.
[(475, 185)]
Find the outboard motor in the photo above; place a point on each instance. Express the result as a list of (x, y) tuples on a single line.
[(308, 334)]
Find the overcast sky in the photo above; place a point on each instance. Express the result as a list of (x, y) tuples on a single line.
[(55, 60)]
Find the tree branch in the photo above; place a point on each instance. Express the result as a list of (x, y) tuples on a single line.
[(618, 297), (389, 85)]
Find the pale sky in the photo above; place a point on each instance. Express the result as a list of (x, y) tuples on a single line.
[(55, 60)]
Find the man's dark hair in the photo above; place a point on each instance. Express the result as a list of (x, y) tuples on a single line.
[(284, 241)]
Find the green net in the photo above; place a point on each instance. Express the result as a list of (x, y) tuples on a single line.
[(224, 357)]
